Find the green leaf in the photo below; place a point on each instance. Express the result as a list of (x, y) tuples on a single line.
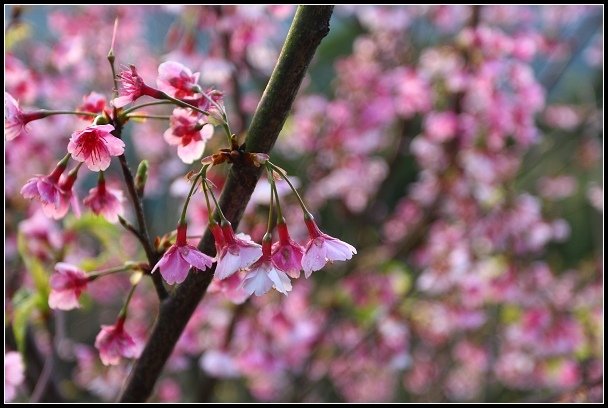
[(24, 304), (36, 269)]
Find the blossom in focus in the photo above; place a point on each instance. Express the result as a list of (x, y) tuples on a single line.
[(14, 374), (188, 134), (132, 87), (177, 80), (95, 145), (287, 254), (237, 253), (113, 342), (176, 262), (322, 248), (67, 283), (105, 201), (264, 274)]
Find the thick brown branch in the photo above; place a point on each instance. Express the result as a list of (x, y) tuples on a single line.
[(310, 25)]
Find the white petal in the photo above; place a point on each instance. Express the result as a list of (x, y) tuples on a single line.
[(337, 250), (227, 265), (257, 281), (281, 281), (313, 259)]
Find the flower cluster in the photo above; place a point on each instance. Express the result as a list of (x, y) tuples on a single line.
[(258, 268)]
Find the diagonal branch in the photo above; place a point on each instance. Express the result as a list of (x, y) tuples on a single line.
[(310, 25)]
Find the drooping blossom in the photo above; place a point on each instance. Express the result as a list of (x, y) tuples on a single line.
[(95, 145), (264, 274), (237, 253), (132, 87), (322, 248), (177, 80), (14, 374), (231, 287), (287, 254), (67, 283), (105, 201), (53, 192), (15, 120), (113, 342), (176, 262), (188, 134), (93, 103)]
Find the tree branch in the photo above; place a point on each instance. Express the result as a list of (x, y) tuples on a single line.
[(310, 25)]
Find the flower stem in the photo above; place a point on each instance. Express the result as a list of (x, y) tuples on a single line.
[(182, 218), (217, 205), (162, 117), (269, 227), (66, 112), (183, 104), (97, 274), (282, 174), (123, 311), (209, 212), (143, 105), (280, 218)]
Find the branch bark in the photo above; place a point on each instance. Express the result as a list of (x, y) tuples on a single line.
[(310, 25)]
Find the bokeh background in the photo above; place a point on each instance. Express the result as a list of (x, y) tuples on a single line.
[(458, 148)]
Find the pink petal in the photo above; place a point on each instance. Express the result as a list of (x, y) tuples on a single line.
[(314, 258), (195, 257)]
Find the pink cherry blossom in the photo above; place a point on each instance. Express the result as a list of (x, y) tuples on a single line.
[(188, 134), (93, 103), (95, 145), (177, 80), (264, 274), (54, 194), (322, 248), (14, 374), (287, 254), (15, 120), (67, 283), (237, 253), (132, 87), (176, 262), (231, 287), (113, 342), (105, 201)]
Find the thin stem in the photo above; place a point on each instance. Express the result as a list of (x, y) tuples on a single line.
[(276, 194), (143, 105), (282, 174), (43, 380), (111, 59), (215, 104), (217, 205), (67, 112), (129, 227), (209, 212), (269, 227), (163, 117), (183, 104), (123, 310), (97, 274), (182, 218)]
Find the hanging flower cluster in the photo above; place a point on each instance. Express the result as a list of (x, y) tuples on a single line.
[(196, 112)]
